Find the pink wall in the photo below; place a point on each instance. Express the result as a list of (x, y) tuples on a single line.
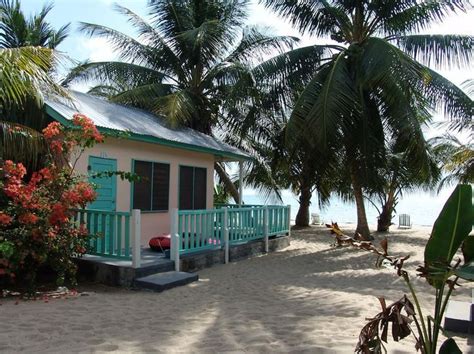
[(153, 223)]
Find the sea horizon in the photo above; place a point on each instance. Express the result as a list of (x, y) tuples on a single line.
[(423, 207)]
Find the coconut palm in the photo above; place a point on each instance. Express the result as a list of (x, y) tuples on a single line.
[(26, 62), (377, 85), (193, 62), (19, 31)]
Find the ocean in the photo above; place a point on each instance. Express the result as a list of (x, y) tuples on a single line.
[(423, 207)]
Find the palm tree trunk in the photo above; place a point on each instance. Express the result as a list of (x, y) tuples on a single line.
[(385, 217), (228, 184), (362, 225), (302, 217)]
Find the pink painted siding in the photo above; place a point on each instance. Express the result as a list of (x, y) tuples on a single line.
[(153, 223)]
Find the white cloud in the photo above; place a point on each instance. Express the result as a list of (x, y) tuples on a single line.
[(97, 49)]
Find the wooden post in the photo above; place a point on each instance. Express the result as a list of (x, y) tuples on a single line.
[(173, 232), (241, 181), (265, 227), (177, 240), (226, 235), (136, 238), (289, 220)]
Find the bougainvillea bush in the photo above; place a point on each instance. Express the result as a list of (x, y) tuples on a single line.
[(36, 216)]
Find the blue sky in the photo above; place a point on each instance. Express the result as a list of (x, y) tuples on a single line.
[(80, 47)]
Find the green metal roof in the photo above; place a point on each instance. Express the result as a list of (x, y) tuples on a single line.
[(140, 125)]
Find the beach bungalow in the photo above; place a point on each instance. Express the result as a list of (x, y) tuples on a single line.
[(175, 193)]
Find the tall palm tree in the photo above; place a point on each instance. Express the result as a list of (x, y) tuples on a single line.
[(193, 62), (376, 85), (19, 31)]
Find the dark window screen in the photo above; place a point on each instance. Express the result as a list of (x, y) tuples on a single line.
[(186, 176), (151, 193), (142, 188), (192, 188), (161, 186), (200, 188)]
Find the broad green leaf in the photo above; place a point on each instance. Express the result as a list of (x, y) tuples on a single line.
[(468, 249), (466, 272), (449, 347), (452, 226)]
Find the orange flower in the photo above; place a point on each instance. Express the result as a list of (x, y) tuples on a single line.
[(52, 130)]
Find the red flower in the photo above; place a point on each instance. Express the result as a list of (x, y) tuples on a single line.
[(58, 214), (28, 218), (5, 219), (13, 170), (56, 146), (52, 130)]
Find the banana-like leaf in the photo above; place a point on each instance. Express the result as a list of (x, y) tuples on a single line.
[(449, 347), (466, 272), (468, 249), (453, 225)]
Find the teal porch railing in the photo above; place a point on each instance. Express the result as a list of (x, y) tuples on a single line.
[(200, 230), (111, 232)]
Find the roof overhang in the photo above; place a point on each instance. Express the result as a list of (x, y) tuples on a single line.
[(219, 155)]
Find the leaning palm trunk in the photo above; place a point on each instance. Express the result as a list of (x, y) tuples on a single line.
[(362, 225), (227, 182), (385, 218)]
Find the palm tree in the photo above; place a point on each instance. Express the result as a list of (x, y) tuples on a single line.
[(194, 63), (19, 31), (401, 173), (376, 84), (26, 61)]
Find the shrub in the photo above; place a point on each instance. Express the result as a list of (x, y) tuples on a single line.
[(36, 219)]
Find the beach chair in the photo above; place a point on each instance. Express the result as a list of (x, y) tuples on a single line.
[(404, 221)]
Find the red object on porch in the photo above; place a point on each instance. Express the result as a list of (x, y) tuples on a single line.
[(159, 243)]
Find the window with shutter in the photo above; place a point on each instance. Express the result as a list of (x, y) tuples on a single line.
[(192, 188), (151, 193)]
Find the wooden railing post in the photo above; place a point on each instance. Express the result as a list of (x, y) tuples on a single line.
[(289, 220), (173, 232), (226, 235), (176, 239), (136, 238), (265, 227)]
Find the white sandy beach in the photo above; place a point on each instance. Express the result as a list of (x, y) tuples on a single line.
[(310, 297)]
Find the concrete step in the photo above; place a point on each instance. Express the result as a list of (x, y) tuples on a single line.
[(165, 281)]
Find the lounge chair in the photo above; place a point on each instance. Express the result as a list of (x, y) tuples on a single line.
[(404, 221)]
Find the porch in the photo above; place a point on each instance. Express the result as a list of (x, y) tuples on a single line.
[(217, 233)]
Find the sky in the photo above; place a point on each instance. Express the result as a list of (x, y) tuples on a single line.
[(79, 47)]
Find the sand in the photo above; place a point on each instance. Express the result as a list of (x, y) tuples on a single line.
[(310, 297)]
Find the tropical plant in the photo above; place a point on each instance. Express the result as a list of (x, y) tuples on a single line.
[(450, 234), (376, 84), (36, 226), (18, 31), (401, 173), (457, 159), (194, 62), (26, 62)]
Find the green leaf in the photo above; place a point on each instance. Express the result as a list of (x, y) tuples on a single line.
[(466, 272), (6, 249), (451, 228), (449, 347), (468, 249)]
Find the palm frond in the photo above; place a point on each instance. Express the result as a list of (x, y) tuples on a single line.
[(21, 143), (441, 51), (26, 73)]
